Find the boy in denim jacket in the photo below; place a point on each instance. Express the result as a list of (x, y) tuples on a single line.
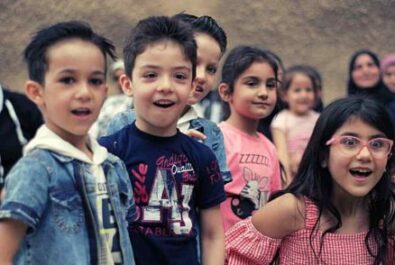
[(67, 201), (173, 176)]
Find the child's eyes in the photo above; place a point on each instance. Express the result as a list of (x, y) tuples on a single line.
[(211, 69), (67, 80), (297, 90), (181, 76), (309, 89), (272, 84), (251, 83), (349, 141), (150, 75), (97, 81)]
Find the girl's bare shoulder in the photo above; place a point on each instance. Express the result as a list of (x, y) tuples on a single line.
[(281, 216)]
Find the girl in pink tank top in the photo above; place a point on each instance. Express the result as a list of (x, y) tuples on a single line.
[(339, 208)]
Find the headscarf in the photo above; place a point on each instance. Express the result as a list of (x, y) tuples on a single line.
[(388, 60), (379, 91)]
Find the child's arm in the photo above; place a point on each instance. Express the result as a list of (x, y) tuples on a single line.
[(280, 142), (255, 241), (12, 233), (212, 235)]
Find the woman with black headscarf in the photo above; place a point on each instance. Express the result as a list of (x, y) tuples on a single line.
[(365, 77)]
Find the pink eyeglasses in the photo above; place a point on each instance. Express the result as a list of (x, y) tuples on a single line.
[(350, 145)]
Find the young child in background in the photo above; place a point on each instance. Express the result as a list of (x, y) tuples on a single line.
[(67, 200), (292, 127), (173, 175), (339, 207), (248, 87), (211, 45)]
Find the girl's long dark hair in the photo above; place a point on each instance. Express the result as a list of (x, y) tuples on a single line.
[(315, 181)]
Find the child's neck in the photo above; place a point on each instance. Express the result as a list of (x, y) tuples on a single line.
[(249, 126), (169, 131), (353, 212), (81, 143), (349, 206)]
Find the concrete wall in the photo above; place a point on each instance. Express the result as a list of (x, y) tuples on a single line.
[(322, 33)]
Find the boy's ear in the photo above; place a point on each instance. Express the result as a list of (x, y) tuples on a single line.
[(34, 91), (223, 91), (126, 85)]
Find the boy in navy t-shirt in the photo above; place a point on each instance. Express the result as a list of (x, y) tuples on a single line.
[(173, 175)]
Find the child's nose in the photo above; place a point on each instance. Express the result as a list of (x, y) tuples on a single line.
[(165, 85), (262, 91), (84, 91), (364, 153), (200, 74)]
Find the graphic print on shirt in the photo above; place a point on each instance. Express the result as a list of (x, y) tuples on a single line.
[(164, 199), (256, 190), (110, 247)]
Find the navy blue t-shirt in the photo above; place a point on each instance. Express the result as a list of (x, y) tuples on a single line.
[(172, 177)]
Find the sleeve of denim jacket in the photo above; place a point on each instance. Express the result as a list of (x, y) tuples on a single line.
[(131, 214), (119, 121), (218, 147), (26, 192)]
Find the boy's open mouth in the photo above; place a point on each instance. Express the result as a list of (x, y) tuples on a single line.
[(81, 111), (163, 103)]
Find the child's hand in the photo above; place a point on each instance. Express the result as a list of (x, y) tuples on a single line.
[(196, 134)]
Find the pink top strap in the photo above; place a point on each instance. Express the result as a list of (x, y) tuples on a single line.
[(311, 213)]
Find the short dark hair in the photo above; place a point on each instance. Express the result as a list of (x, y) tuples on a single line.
[(205, 24), (155, 29), (35, 52)]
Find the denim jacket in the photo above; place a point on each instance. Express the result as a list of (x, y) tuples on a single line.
[(214, 140), (48, 192)]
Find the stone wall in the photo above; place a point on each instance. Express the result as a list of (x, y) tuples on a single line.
[(322, 33)]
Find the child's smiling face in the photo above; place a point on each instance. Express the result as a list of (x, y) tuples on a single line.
[(300, 95), (355, 175), (161, 84)]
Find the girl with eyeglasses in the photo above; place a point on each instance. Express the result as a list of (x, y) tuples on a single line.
[(339, 208)]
